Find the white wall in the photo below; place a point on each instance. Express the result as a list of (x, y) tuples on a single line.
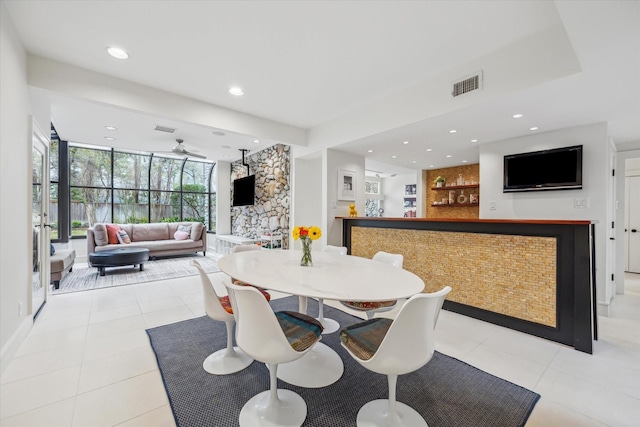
[(15, 209), (307, 190), (223, 199), (553, 204), (334, 161), (393, 190)]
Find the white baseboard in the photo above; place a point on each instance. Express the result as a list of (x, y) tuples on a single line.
[(11, 347)]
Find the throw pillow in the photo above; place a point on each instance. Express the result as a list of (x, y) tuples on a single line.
[(112, 233), (123, 237), (52, 249), (181, 235), (196, 230), (100, 235), (185, 228)]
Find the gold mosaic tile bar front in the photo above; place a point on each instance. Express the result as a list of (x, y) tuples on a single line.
[(510, 275)]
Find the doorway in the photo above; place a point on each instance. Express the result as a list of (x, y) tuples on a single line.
[(39, 225), (632, 216)]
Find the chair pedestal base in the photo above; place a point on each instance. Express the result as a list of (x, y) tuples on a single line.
[(329, 325), (288, 410), (320, 367), (376, 414), (221, 363)]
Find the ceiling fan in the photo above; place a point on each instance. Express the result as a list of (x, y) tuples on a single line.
[(181, 151)]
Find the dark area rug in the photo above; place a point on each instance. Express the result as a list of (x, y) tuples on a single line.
[(446, 391)]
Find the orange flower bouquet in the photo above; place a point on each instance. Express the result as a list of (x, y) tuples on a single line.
[(306, 236)]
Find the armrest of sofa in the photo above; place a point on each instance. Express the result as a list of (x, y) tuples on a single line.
[(91, 242)]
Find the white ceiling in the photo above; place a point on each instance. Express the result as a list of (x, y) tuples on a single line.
[(310, 64)]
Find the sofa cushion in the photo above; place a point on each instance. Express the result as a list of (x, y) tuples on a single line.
[(150, 232), (196, 230), (100, 235), (158, 245), (112, 233)]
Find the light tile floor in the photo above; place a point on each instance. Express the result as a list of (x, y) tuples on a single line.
[(87, 361)]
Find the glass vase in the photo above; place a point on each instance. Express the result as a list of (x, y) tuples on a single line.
[(306, 260)]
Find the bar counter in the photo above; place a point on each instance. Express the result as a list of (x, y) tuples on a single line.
[(534, 276)]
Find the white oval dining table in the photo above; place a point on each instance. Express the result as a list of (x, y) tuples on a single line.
[(332, 277)]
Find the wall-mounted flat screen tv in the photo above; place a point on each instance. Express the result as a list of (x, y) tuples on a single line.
[(244, 191), (556, 169)]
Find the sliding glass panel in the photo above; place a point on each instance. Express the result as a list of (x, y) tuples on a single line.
[(165, 174), (53, 211), (164, 207), (130, 170), (89, 206), (130, 206), (89, 167)]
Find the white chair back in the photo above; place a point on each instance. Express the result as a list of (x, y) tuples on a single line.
[(212, 305), (258, 332), (244, 248), (394, 259), (409, 343), (340, 250)]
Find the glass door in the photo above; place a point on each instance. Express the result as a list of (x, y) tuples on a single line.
[(40, 231)]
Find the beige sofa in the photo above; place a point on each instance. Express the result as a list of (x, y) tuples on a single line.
[(157, 237)]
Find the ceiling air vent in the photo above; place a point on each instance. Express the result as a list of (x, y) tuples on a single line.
[(468, 84), (164, 129)]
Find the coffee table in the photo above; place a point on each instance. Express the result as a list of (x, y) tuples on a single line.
[(118, 258)]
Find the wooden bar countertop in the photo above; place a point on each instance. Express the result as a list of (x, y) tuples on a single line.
[(480, 221)]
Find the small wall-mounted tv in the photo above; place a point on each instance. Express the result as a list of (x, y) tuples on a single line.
[(244, 191), (556, 169)]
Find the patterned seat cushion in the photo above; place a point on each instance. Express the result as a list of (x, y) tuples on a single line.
[(266, 294), (363, 339), (226, 303), (369, 305), (302, 331)]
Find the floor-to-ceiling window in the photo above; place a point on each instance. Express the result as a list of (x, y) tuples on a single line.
[(122, 186)]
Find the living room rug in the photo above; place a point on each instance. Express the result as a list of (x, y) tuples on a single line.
[(446, 392), (84, 278)]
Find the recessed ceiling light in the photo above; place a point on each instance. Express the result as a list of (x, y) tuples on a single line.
[(116, 52), (429, 149), (226, 155), (111, 128), (237, 91), (109, 138), (405, 142), (464, 161), (256, 141), (453, 131), (393, 157), (369, 151), (431, 166), (448, 155), (217, 133), (533, 128), (517, 116), (474, 140), (413, 161)]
